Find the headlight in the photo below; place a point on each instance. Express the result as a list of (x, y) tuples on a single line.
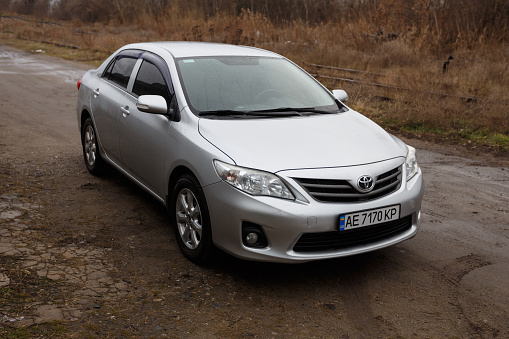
[(252, 181), (412, 168)]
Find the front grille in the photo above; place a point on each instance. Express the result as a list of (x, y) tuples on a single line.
[(331, 190), (336, 240)]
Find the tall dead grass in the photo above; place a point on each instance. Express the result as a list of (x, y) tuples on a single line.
[(408, 45)]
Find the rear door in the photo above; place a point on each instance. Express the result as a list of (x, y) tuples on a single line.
[(107, 98)]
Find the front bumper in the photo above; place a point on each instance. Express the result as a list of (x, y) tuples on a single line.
[(285, 221)]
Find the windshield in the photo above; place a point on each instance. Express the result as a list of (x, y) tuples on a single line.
[(247, 84)]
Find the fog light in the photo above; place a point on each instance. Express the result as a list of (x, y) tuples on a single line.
[(251, 238), (253, 235)]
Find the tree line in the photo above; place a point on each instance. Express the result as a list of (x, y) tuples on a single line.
[(447, 21)]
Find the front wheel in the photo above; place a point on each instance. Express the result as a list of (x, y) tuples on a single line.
[(189, 214)]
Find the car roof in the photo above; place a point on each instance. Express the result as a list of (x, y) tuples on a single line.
[(182, 49)]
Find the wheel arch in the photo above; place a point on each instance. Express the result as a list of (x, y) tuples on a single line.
[(172, 180), (84, 116)]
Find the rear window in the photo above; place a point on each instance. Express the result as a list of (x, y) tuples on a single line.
[(120, 71)]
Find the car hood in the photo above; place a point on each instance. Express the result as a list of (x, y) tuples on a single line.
[(318, 141)]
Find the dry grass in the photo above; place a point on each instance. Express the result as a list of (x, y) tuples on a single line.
[(429, 102)]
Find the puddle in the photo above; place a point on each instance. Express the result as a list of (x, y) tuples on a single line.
[(25, 64)]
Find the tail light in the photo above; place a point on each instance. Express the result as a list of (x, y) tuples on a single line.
[(79, 83)]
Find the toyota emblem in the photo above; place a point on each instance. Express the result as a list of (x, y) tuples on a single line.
[(365, 183)]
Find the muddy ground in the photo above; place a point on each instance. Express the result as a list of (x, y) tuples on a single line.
[(82, 256)]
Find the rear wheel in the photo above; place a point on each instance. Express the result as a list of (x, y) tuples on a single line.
[(93, 160), (189, 214)]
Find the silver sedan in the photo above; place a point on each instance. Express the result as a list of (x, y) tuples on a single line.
[(249, 153)]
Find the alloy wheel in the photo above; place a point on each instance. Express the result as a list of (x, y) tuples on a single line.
[(189, 220), (90, 145)]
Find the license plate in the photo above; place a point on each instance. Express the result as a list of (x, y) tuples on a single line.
[(368, 217)]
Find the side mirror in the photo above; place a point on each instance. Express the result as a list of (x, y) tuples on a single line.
[(340, 95), (155, 104)]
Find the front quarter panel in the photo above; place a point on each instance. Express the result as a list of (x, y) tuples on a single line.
[(192, 151)]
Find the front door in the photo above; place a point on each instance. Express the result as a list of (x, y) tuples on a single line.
[(144, 138)]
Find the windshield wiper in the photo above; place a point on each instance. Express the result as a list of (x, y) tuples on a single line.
[(262, 113), (271, 112), (296, 109)]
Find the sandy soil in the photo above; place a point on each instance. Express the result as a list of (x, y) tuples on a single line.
[(82, 256)]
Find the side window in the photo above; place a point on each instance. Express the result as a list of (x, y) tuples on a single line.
[(150, 81), (121, 70), (107, 72)]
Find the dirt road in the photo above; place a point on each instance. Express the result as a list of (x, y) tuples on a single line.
[(82, 256)]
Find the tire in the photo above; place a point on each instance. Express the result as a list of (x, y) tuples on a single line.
[(190, 217), (93, 160)]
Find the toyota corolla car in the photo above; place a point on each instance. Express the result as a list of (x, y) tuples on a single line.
[(249, 153)]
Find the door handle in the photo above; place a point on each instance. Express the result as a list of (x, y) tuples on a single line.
[(125, 110), (96, 92)]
